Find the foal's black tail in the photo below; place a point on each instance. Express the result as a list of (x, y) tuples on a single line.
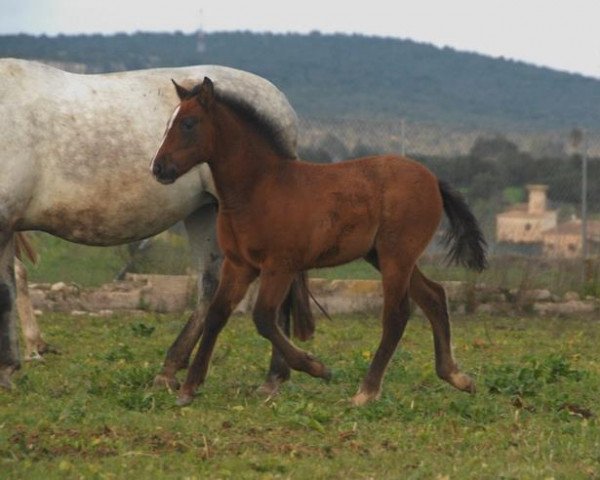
[(464, 237), (303, 320)]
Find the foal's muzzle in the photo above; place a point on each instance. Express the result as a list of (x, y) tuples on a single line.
[(165, 174)]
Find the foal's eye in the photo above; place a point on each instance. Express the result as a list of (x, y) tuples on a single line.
[(188, 124)]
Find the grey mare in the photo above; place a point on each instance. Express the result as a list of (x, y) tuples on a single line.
[(66, 141)]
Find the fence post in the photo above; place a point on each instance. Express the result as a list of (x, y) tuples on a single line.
[(584, 215)]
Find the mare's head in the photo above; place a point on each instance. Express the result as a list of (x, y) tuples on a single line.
[(189, 138)]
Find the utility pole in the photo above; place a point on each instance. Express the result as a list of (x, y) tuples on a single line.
[(200, 38), (402, 138), (584, 187), (579, 141)]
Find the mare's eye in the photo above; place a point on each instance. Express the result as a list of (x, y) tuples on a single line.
[(188, 123)]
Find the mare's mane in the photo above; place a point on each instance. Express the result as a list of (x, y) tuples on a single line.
[(263, 124)]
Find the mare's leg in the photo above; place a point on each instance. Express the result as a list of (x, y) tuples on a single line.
[(233, 284), (9, 341), (34, 344), (431, 297), (201, 230), (396, 311), (273, 287)]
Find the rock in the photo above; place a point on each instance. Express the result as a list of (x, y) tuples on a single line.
[(565, 308), (571, 297), (537, 295), (102, 299), (37, 297), (58, 287), (168, 293), (456, 291), (486, 308), (348, 296)]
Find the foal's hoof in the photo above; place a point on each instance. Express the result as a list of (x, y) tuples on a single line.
[(166, 381), (184, 399), (362, 398), (462, 382), (272, 383), (271, 387), (317, 368)]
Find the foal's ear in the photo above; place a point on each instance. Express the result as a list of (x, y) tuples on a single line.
[(182, 92), (206, 95)]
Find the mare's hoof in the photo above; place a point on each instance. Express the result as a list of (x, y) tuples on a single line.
[(166, 381), (34, 357), (327, 375), (44, 348), (184, 399), (5, 381)]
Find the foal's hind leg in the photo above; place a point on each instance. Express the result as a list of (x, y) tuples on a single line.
[(294, 311), (233, 285), (431, 297), (396, 311), (273, 287)]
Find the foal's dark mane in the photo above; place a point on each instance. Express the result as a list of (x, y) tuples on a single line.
[(263, 124)]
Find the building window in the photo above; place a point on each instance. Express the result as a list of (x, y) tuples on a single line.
[(527, 227)]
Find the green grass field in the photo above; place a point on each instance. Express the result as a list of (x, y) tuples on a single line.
[(91, 412)]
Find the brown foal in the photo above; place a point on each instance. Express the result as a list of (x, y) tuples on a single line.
[(278, 217)]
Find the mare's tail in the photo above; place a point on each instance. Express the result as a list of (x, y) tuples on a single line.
[(23, 247), (464, 237)]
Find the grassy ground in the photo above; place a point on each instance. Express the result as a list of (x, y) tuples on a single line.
[(91, 413)]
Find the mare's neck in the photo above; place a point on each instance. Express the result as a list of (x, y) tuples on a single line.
[(241, 159)]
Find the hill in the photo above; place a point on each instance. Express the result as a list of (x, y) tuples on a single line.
[(353, 76)]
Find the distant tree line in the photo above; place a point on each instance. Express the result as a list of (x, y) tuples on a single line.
[(494, 165), (349, 76)]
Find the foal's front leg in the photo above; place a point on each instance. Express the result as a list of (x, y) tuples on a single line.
[(233, 285), (273, 287)]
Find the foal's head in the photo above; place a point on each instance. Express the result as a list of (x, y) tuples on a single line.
[(190, 134)]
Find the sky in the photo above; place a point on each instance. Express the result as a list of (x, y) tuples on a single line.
[(560, 34)]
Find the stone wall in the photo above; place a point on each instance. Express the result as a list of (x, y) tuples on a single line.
[(176, 293)]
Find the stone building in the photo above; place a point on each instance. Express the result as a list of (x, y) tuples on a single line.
[(565, 240), (525, 223)]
